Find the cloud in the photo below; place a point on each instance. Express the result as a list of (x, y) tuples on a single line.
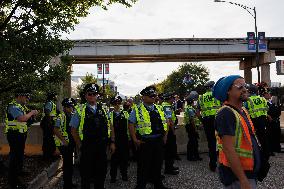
[(171, 19)]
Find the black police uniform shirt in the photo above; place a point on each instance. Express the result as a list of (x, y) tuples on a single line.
[(120, 127), (154, 122), (91, 110)]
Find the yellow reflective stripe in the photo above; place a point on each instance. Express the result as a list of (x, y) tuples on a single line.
[(162, 116), (13, 123), (13, 127), (16, 125), (244, 153), (111, 118), (145, 130), (82, 120), (53, 111), (143, 119), (62, 129), (208, 108), (238, 131), (238, 137), (257, 110)]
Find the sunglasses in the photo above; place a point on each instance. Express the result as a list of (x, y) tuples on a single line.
[(92, 94), (240, 87)]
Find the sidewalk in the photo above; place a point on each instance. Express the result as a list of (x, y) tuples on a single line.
[(30, 149)]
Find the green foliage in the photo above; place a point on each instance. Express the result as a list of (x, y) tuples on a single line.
[(174, 81), (30, 32), (30, 36), (89, 78)]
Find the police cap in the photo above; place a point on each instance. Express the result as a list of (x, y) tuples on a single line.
[(91, 87), (209, 84), (253, 89), (193, 95), (149, 91), (168, 95), (161, 96), (115, 100), (51, 95), (189, 99), (263, 90), (67, 102)]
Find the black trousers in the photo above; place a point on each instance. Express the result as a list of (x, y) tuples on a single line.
[(67, 155), (93, 164), (3, 168), (192, 144), (208, 123), (133, 151), (149, 163), (119, 158), (16, 142), (260, 125), (170, 150), (48, 144), (275, 135)]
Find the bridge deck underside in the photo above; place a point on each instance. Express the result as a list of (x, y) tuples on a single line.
[(160, 58)]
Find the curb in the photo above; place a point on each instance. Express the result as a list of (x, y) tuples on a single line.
[(40, 180)]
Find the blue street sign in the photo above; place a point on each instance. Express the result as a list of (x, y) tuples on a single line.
[(261, 41), (251, 41)]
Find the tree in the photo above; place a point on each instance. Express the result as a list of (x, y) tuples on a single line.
[(30, 36), (189, 76), (30, 32)]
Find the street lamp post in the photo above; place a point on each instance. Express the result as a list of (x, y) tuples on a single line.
[(249, 10)]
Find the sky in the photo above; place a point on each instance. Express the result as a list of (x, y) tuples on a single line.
[(157, 19)]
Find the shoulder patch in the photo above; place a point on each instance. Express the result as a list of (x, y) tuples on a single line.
[(168, 109)]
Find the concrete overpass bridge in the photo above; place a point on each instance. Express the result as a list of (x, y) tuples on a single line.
[(93, 51)]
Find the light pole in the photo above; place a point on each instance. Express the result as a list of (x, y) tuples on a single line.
[(253, 14)]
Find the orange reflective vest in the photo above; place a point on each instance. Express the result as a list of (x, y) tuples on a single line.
[(243, 143)]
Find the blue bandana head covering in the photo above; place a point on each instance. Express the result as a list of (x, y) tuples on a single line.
[(222, 86)]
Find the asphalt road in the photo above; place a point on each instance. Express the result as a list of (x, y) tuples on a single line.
[(193, 175)]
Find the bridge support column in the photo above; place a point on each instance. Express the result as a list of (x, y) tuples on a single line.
[(246, 65), (265, 74), (67, 84), (248, 75)]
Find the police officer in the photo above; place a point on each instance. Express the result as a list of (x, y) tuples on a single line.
[(208, 107), (90, 132), (47, 124), (170, 147), (62, 140), (148, 129), (257, 108), (119, 122), (131, 103), (191, 124), (18, 117)]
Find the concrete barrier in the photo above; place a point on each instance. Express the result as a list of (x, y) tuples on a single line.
[(34, 135), (182, 140), (182, 137)]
